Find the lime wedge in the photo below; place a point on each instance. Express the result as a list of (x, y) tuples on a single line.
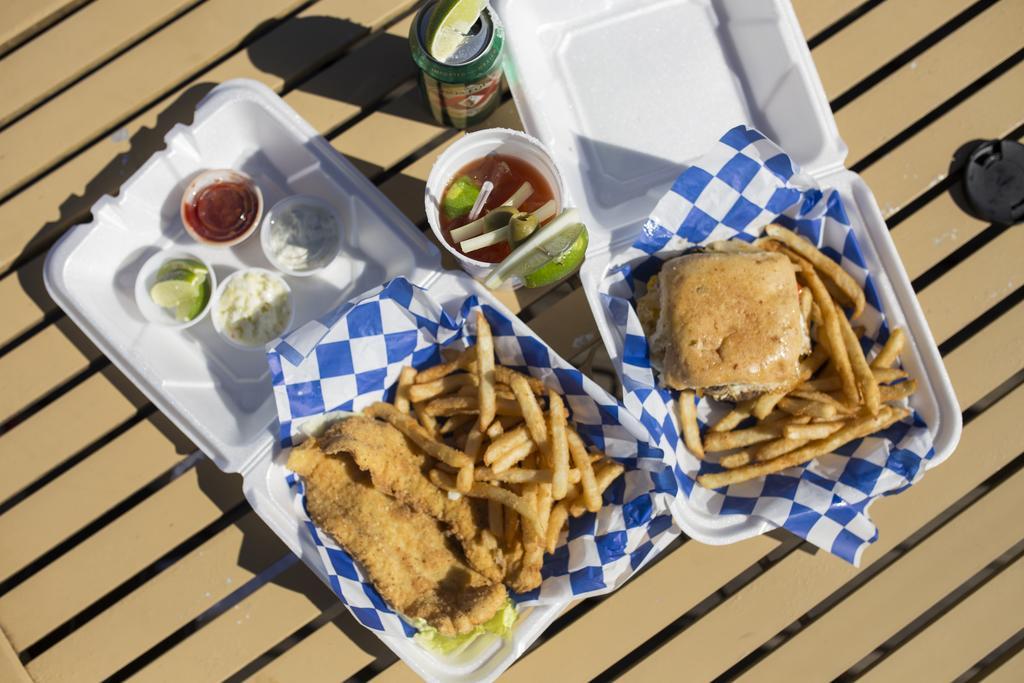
[(549, 254), (562, 266), (168, 270), (173, 293), (189, 309), (451, 21), (460, 197)]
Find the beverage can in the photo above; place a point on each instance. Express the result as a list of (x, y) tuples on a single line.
[(465, 89)]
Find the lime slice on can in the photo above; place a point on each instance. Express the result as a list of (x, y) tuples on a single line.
[(548, 255), (451, 21)]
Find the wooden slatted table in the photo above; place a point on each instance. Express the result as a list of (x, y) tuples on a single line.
[(123, 554)]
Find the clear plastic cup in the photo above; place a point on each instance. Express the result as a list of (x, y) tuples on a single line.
[(475, 146)]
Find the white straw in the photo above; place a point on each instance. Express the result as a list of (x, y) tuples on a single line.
[(478, 205)]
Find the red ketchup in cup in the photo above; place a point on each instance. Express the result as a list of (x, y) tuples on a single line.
[(221, 207)]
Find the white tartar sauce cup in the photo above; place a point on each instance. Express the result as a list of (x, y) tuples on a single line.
[(300, 235)]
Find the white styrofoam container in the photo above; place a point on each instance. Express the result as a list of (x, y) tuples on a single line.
[(221, 397), (626, 93)]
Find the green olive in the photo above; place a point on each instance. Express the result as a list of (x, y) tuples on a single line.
[(498, 217), (522, 226)]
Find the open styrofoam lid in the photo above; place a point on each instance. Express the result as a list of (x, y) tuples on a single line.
[(221, 397), (626, 92)]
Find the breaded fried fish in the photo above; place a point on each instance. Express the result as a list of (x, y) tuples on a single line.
[(405, 552)]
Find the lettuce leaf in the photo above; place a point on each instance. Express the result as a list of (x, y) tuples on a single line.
[(500, 624)]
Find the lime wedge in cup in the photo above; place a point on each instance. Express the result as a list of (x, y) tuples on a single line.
[(451, 21), (548, 255), (182, 285)]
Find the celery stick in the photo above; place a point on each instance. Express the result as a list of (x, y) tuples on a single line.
[(469, 230), (519, 196), (546, 211), (485, 240)]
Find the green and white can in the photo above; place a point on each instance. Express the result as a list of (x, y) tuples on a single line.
[(466, 88)]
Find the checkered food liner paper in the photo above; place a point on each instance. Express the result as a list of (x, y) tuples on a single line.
[(352, 358), (743, 183)]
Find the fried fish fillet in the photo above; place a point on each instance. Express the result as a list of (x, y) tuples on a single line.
[(401, 472), (405, 552)]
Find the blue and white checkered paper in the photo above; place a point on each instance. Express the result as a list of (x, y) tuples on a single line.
[(353, 357), (739, 186)]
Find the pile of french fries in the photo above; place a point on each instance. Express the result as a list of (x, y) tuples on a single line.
[(839, 396), (500, 435)]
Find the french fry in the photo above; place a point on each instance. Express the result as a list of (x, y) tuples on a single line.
[(830, 269), (765, 404), (532, 415), (802, 407), (418, 435), (512, 456), (485, 370), (688, 423), (821, 397), (455, 422), (825, 384), (861, 369), (810, 432), (604, 476), (559, 445), (512, 537), (405, 378), (724, 441), (464, 479), (447, 406), (527, 510), (737, 459), (428, 390), (495, 430), (892, 349), (832, 331), (896, 392), (428, 422), (515, 475), (591, 496), (504, 376), (774, 449), (461, 362), (505, 443), (474, 441), (556, 521), (859, 427), (735, 416)]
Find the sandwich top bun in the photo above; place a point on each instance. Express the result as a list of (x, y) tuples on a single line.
[(725, 321)]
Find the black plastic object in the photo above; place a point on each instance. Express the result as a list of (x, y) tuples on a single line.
[(995, 181)]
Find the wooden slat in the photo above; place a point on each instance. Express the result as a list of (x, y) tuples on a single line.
[(877, 37), (131, 81), (1010, 671), (325, 656), (933, 77), (10, 667), (165, 603), (617, 626), (969, 289), (932, 233), (963, 635), (75, 46), (989, 358), (136, 539), (905, 589), (923, 160), (89, 489), (817, 15), (246, 630), (60, 430), (32, 370), (25, 300), (21, 18)]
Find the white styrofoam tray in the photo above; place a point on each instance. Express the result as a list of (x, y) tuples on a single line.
[(626, 93), (219, 396)]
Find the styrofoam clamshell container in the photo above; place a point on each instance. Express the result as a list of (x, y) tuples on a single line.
[(626, 94), (219, 396)]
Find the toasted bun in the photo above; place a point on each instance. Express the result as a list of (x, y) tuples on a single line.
[(727, 322)]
